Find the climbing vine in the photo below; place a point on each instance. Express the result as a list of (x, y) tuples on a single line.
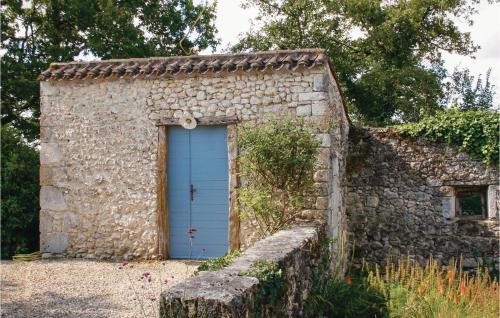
[(475, 132)]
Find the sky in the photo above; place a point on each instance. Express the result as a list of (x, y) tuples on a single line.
[(233, 20)]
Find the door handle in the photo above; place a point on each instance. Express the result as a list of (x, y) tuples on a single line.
[(192, 191)]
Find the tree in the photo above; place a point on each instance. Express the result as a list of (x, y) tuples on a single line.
[(38, 32), (387, 53), (20, 188), (466, 95), (49, 31)]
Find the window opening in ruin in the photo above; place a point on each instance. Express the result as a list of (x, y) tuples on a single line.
[(471, 202)]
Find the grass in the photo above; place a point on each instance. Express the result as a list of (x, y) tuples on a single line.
[(218, 263), (406, 289)]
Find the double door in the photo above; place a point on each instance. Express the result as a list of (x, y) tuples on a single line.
[(197, 185)]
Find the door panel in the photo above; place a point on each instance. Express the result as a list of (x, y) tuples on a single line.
[(198, 157)]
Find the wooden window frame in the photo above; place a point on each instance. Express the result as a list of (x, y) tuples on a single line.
[(461, 192)]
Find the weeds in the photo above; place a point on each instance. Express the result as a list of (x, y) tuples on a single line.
[(403, 288), (218, 263)]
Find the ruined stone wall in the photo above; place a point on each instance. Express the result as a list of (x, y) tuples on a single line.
[(233, 292), (99, 147), (399, 192)]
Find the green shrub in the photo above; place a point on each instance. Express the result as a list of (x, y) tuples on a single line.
[(473, 131), (345, 297), (218, 263), (20, 190), (272, 287), (277, 162)]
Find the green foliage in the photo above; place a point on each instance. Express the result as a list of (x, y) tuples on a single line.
[(20, 189), (387, 53), (46, 31), (276, 161), (466, 95), (475, 131), (332, 295), (345, 298), (272, 285), (218, 263)]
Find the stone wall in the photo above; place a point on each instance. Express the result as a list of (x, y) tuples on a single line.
[(231, 293), (99, 144), (399, 196)]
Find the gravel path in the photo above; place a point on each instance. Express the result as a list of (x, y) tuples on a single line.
[(81, 288)]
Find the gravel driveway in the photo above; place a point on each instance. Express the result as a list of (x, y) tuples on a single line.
[(81, 288)]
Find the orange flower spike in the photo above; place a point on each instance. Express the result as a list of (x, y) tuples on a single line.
[(462, 289), (441, 289), (455, 298), (349, 280), (421, 290)]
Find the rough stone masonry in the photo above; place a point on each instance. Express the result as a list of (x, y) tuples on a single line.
[(402, 196), (99, 138)]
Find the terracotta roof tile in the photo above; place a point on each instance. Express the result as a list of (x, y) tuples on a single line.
[(184, 65)]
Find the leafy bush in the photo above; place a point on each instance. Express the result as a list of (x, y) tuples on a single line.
[(272, 285), (218, 263), (474, 131), (341, 297), (277, 161), (20, 190)]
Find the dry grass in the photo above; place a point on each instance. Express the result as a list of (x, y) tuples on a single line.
[(412, 290)]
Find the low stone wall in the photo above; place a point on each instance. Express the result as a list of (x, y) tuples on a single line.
[(230, 293), (399, 197)]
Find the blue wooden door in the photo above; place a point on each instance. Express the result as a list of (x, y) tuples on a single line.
[(198, 192)]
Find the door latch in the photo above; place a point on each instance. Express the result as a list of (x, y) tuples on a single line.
[(192, 191)]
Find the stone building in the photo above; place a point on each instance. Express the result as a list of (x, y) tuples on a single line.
[(122, 176), (121, 179), (411, 197)]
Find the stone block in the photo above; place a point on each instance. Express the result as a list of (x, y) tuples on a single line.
[(46, 222), (493, 200), (52, 198), (390, 194), (324, 139), (320, 83), (448, 207), (304, 110), (323, 158), (54, 243), (46, 175), (372, 201), (70, 220), (312, 96), (320, 108), (48, 89), (201, 95), (322, 203), (50, 154), (321, 188), (47, 134), (321, 176)]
